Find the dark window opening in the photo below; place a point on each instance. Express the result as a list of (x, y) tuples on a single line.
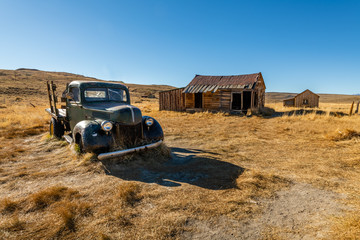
[(305, 102), (236, 101), (198, 100), (247, 100), (76, 96)]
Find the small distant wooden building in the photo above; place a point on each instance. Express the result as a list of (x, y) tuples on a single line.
[(305, 99), (217, 93)]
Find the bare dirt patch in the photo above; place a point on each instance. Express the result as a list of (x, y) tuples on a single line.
[(301, 212)]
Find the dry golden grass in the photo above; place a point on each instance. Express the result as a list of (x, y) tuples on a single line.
[(223, 169), (347, 227), (14, 224), (70, 212), (48, 196), (23, 120), (8, 206), (346, 134), (128, 193)]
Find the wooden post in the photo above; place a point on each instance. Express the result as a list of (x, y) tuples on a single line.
[(242, 100), (357, 108), (49, 94), (351, 109), (53, 88)]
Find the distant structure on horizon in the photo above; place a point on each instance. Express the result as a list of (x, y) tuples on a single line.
[(305, 99), (217, 93)]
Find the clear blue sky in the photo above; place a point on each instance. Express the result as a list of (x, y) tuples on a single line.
[(295, 44)]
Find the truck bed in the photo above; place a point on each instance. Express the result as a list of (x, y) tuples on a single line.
[(62, 113)]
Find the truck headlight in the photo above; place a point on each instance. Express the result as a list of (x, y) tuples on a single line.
[(149, 122), (106, 126)]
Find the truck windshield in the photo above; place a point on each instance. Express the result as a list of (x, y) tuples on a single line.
[(105, 94)]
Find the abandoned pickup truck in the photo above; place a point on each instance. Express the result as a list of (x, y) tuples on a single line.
[(99, 118)]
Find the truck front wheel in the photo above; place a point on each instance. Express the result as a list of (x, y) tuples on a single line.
[(56, 128)]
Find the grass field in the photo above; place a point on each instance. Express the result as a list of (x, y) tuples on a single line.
[(218, 177)]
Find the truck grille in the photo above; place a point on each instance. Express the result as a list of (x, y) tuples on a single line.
[(127, 136)]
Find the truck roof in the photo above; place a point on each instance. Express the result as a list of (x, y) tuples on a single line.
[(84, 84)]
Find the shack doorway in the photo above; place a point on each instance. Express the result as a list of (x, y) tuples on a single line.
[(236, 101), (247, 100), (198, 100)]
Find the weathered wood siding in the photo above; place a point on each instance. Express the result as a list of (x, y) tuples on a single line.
[(172, 100), (289, 102), (189, 100), (211, 101), (225, 100), (260, 90), (313, 99)]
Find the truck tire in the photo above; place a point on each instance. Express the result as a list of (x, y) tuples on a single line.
[(56, 128), (79, 141)]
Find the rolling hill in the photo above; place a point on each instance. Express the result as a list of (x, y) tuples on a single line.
[(16, 85), (22, 83)]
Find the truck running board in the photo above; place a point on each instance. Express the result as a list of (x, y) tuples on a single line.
[(103, 156)]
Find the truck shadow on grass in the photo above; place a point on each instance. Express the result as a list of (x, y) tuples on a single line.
[(192, 166)]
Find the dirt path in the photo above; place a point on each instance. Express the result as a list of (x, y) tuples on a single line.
[(301, 212)]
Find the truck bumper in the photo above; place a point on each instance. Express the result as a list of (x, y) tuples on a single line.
[(103, 156)]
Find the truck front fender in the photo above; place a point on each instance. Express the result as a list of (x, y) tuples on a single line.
[(90, 136), (154, 132)]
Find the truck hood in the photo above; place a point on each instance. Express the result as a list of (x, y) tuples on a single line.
[(112, 111)]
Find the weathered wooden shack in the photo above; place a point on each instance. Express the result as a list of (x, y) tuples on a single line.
[(305, 99), (172, 100), (217, 93)]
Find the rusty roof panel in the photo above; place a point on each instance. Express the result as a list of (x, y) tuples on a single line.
[(225, 80), (204, 84), (215, 89)]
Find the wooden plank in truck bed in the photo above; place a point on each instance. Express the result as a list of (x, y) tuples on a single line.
[(60, 116)]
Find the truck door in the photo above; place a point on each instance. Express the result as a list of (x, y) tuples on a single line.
[(74, 109)]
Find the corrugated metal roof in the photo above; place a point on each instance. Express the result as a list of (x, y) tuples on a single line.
[(202, 83)]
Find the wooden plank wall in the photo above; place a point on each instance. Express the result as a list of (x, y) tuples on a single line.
[(313, 99), (211, 101), (172, 100), (289, 103), (260, 89), (175, 100), (225, 100), (189, 100)]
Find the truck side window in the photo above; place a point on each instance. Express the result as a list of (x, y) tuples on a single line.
[(75, 91)]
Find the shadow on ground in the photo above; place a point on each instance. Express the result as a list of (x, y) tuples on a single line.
[(192, 166)]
